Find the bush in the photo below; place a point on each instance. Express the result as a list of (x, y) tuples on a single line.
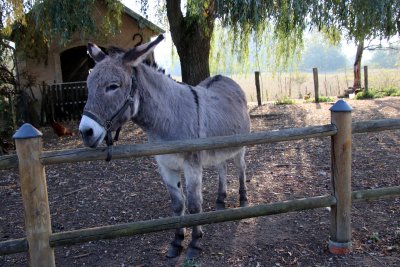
[(392, 91), (370, 94), (285, 101), (321, 99), (373, 93)]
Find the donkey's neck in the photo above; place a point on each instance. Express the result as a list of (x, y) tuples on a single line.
[(167, 110)]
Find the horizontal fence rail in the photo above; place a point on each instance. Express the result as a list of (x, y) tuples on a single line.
[(138, 150), (135, 228), (219, 142), (375, 125)]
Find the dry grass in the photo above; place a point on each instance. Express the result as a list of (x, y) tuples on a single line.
[(297, 84)]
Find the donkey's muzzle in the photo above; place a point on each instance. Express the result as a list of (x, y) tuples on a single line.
[(92, 133)]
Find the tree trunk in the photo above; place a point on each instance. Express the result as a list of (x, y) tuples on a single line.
[(192, 37), (357, 66)]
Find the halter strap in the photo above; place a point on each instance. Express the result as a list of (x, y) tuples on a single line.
[(108, 124)]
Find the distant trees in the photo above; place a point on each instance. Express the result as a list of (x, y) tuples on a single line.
[(388, 58), (319, 53)]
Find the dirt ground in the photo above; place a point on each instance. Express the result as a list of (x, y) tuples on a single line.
[(98, 193)]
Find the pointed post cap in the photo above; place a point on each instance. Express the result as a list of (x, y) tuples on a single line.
[(27, 131), (341, 106)]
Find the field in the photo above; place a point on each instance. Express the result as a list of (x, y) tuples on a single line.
[(297, 84), (90, 194)]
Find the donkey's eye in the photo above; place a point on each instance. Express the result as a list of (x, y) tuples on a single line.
[(112, 87)]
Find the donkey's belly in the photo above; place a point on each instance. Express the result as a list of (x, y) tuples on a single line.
[(207, 157)]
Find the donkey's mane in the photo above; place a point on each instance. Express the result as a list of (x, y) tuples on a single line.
[(115, 50)]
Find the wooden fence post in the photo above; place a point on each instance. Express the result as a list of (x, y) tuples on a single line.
[(366, 78), (316, 85), (257, 77), (28, 142), (340, 241)]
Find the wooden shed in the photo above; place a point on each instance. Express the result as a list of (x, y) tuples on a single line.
[(58, 84)]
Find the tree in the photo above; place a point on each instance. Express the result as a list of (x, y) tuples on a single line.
[(386, 58), (191, 35), (319, 53), (365, 20)]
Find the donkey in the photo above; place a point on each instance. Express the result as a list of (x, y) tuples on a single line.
[(122, 88)]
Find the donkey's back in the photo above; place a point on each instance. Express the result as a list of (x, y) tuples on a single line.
[(223, 107)]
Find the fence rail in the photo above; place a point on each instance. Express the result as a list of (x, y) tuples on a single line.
[(140, 150), (40, 240), (156, 225)]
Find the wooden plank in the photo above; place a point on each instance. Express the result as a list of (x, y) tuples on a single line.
[(8, 161), (139, 150), (129, 229), (375, 125), (340, 242), (35, 199), (374, 194), (316, 85), (74, 100), (366, 78), (258, 90), (11, 161), (13, 246)]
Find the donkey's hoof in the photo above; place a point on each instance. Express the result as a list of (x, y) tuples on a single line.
[(244, 203), (219, 205), (174, 251), (192, 253)]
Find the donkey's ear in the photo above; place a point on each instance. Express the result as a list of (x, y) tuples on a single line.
[(136, 55), (95, 52)]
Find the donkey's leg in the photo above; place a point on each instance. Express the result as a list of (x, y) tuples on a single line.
[(193, 175), (220, 203), (172, 180), (241, 164)]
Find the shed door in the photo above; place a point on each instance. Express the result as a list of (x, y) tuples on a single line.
[(75, 64)]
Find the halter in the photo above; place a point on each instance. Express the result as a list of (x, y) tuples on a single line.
[(108, 124)]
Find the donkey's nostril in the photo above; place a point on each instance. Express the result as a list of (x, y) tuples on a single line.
[(88, 132)]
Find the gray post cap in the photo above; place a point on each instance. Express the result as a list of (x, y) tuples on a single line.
[(27, 131), (341, 106)]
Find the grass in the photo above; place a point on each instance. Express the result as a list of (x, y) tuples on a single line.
[(321, 99), (285, 101), (295, 85), (375, 93)]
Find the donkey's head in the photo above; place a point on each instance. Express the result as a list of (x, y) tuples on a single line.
[(112, 94)]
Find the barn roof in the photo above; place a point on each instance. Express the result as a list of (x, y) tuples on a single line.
[(143, 22)]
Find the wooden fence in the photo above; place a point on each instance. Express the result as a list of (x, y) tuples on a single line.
[(40, 240), (63, 101)]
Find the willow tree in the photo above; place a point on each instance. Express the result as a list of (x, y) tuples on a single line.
[(192, 27), (364, 20), (36, 24)]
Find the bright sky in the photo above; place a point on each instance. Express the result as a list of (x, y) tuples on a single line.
[(163, 50)]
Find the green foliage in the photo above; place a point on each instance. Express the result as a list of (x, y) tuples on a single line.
[(48, 22), (391, 91), (374, 237), (359, 19), (374, 93), (321, 99), (285, 101)]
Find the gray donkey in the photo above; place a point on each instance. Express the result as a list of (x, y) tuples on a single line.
[(122, 88)]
